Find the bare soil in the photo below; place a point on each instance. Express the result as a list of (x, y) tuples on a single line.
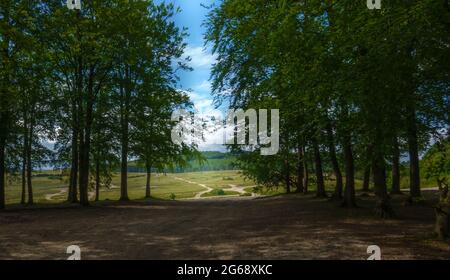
[(282, 227)]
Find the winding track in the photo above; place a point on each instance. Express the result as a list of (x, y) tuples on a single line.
[(50, 197), (199, 194), (234, 188)]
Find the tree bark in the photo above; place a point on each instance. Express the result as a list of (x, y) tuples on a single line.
[(84, 180), (366, 179), (319, 171), (29, 163), (4, 114), (124, 169), (73, 191), (82, 189), (349, 196), (396, 167), (83, 151), (367, 169), (24, 160), (413, 156), (337, 171), (300, 170), (306, 181), (287, 176), (2, 169), (147, 185), (383, 208), (126, 92), (97, 179)]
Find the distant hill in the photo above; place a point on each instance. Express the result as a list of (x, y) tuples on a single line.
[(215, 161)]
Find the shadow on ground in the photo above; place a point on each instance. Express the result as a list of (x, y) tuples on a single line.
[(283, 227)]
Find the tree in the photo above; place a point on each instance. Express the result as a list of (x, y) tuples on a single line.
[(322, 65), (16, 30)]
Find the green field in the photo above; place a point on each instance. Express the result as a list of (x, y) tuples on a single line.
[(49, 187), (52, 188)]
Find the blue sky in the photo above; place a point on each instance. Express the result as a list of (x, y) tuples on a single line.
[(192, 16)]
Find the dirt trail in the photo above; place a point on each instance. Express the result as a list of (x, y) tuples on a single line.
[(234, 188), (50, 197), (241, 190), (199, 194), (423, 189)]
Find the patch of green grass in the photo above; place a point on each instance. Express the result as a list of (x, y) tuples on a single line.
[(219, 192)]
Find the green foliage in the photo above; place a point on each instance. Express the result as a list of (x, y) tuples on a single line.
[(436, 164), (101, 83), (344, 77)]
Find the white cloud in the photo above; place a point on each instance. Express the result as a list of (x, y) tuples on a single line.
[(204, 86), (203, 105), (199, 57)]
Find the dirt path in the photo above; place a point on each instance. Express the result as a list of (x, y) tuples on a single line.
[(199, 194), (50, 197), (241, 190), (282, 227), (422, 189), (234, 188)]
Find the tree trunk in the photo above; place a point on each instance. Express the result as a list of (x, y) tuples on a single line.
[(383, 208), (287, 176), (84, 180), (126, 92), (83, 132), (319, 171), (349, 196), (300, 170), (83, 190), (29, 163), (24, 161), (337, 171), (306, 181), (4, 113), (124, 170), (366, 179), (413, 156), (147, 185), (396, 168), (73, 193), (97, 179), (2, 169)]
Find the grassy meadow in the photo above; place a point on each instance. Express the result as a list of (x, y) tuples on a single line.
[(49, 187)]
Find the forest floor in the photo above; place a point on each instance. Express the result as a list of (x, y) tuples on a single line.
[(277, 227)]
